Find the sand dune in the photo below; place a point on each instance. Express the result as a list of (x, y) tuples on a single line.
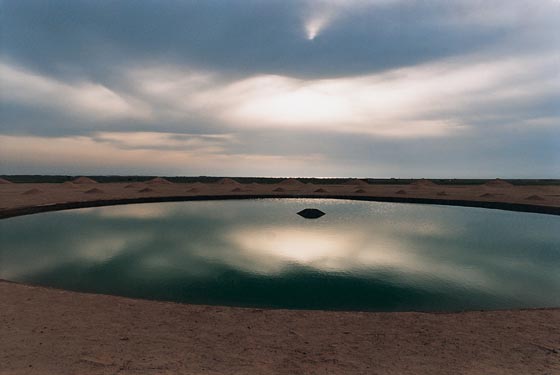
[(84, 181)]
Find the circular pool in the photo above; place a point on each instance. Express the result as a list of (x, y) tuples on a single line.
[(359, 256)]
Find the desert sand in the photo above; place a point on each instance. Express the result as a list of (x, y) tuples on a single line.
[(48, 331)]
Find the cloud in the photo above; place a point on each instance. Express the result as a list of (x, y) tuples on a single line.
[(385, 87), (80, 98)]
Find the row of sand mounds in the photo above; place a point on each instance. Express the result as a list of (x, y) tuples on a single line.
[(3, 181), (497, 183), (83, 181), (291, 182), (227, 181), (159, 181), (423, 182)]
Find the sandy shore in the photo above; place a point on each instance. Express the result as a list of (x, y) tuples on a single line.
[(48, 331), (17, 199)]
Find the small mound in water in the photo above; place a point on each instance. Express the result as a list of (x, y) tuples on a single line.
[(32, 192), (401, 192), (279, 189), (84, 181), (535, 198), (94, 191), (442, 193), (3, 181), (159, 181), (320, 190), (360, 191), (227, 181), (146, 190), (311, 213), (422, 182), (291, 181), (357, 181), (498, 183)]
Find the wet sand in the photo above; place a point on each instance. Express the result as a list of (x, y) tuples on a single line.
[(48, 331)]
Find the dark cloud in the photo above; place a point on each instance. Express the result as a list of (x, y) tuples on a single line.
[(89, 38)]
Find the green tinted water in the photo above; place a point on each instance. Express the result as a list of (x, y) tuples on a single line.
[(359, 256)]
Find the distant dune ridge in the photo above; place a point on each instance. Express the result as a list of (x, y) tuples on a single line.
[(228, 181), (84, 181), (498, 182), (357, 181), (291, 181), (423, 182), (159, 181), (3, 181)]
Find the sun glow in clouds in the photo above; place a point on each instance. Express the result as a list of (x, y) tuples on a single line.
[(314, 25)]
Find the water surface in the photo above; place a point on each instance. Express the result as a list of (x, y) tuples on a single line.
[(359, 256)]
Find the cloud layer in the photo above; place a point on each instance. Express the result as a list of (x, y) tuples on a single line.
[(323, 88)]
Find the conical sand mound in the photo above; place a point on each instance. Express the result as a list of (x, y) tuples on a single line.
[(291, 181), (69, 183), (320, 190), (361, 191), (279, 189), (84, 181), (94, 191), (192, 190), (535, 198), (32, 192), (422, 182), (356, 181), (497, 183), (401, 192), (146, 190), (3, 181), (228, 181), (159, 181)]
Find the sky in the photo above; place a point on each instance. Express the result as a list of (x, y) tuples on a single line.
[(324, 88)]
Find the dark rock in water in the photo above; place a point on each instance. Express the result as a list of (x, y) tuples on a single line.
[(311, 213)]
